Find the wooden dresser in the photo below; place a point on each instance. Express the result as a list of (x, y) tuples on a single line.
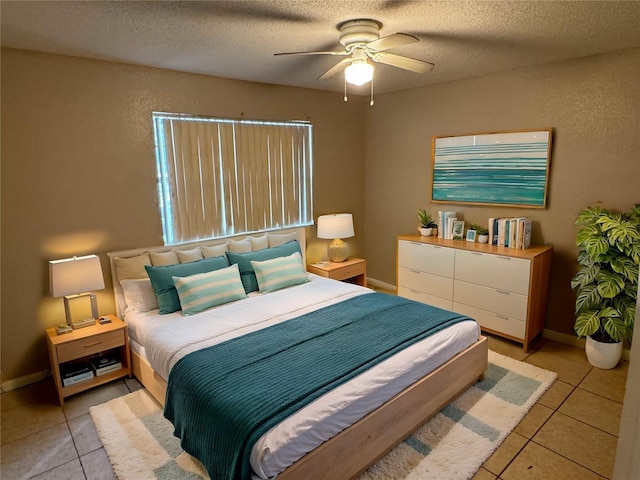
[(503, 289)]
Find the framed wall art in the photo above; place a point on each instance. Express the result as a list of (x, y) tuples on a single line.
[(508, 168)]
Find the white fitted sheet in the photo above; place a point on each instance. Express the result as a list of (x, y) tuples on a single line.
[(165, 339)]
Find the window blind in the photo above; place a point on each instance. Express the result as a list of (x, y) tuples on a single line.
[(222, 177)]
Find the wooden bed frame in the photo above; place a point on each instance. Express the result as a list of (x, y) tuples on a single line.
[(353, 450)]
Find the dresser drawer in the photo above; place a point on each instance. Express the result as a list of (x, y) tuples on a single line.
[(424, 298), (426, 258), (426, 282), (491, 321), (502, 302), (88, 346), (504, 273)]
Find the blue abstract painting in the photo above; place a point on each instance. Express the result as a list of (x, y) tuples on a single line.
[(506, 168)]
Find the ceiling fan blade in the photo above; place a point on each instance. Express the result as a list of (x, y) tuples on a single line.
[(342, 53), (417, 66), (337, 68), (391, 41)]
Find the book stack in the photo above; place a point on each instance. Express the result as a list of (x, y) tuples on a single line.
[(105, 364), (510, 232), (75, 372), (445, 224)]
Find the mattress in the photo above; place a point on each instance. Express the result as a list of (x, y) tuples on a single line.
[(164, 339)]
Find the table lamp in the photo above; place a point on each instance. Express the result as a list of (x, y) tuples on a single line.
[(74, 278), (336, 227)]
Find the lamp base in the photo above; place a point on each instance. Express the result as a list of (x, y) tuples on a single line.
[(338, 251)]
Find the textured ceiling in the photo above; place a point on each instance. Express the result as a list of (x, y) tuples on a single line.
[(237, 39)]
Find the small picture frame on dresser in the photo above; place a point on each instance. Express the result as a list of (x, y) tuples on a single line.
[(471, 236)]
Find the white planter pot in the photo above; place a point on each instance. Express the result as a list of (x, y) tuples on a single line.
[(426, 232), (483, 238), (603, 355)]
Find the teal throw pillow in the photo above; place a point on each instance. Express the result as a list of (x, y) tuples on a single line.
[(247, 274), (162, 279)]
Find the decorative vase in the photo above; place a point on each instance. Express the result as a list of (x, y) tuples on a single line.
[(483, 238), (603, 355), (426, 232)]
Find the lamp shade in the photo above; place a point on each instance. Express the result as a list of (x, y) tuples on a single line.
[(70, 276), (339, 225)]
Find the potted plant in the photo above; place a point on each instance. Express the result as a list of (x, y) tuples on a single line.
[(482, 233), (427, 225), (606, 283)]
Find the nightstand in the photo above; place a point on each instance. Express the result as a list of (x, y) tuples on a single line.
[(352, 270), (85, 344)]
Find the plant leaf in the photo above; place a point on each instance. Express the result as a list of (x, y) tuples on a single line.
[(587, 298), (626, 267), (610, 284), (587, 323), (585, 276), (616, 329), (596, 245)]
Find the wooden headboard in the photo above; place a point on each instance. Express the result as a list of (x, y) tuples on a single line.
[(117, 288)]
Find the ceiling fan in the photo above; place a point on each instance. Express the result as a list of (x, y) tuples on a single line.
[(363, 45)]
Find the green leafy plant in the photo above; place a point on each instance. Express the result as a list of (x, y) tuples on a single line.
[(606, 284), (425, 219), (480, 230)]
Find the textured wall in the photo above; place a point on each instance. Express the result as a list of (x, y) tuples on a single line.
[(593, 106), (78, 170)]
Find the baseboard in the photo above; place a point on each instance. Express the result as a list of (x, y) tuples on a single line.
[(20, 382), (574, 341), (380, 284)]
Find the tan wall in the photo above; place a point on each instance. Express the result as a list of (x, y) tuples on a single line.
[(78, 171), (593, 106)]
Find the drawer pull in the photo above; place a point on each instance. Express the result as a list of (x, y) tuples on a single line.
[(436, 246), (416, 243), (414, 271), (92, 344), (504, 258), (476, 253), (502, 317), (414, 291), (503, 292)]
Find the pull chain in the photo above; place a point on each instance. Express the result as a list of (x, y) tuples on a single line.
[(345, 89), (371, 102)]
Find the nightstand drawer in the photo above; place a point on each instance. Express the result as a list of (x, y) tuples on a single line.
[(348, 271), (90, 345)]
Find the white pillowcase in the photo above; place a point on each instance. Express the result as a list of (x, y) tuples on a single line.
[(139, 294), (163, 258), (259, 243), (132, 267), (276, 239), (214, 250), (187, 256), (240, 246)]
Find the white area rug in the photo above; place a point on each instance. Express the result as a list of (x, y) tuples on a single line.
[(452, 445)]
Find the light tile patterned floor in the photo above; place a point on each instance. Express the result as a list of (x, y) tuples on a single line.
[(570, 433)]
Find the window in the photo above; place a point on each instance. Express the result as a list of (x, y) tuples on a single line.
[(221, 177)]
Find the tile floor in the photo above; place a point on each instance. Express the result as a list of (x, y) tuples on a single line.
[(571, 433)]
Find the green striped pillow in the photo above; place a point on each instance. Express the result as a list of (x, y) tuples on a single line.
[(205, 290), (279, 272)]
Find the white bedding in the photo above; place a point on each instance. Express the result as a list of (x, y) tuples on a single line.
[(166, 338)]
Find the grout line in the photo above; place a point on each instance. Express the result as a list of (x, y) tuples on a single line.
[(570, 459)]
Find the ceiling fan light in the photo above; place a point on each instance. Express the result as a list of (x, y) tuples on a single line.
[(359, 72)]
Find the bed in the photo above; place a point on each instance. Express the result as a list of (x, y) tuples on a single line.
[(344, 438)]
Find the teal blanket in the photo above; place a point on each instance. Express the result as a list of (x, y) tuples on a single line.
[(221, 399)]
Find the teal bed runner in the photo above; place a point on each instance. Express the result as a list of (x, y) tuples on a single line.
[(223, 398)]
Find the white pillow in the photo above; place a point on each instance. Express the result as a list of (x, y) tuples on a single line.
[(240, 246), (276, 239), (132, 267), (279, 272), (192, 255), (139, 294), (205, 290), (259, 243), (163, 258), (214, 250)]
